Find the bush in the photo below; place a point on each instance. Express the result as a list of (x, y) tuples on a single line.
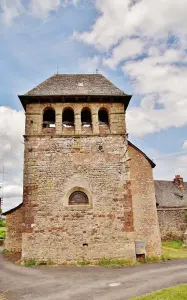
[(2, 232), (2, 222)]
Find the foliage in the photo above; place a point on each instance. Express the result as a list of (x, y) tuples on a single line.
[(84, 263), (173, 250), (113, 262), (5, 251), (173, 244), (2, 222), (2, 232), (174, 293), (153, 259), (30, 263)]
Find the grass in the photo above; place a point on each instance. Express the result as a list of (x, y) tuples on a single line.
[(175, 293), (2, 232), (173, 250), (107, 262), (2, 297), (5, 251), (30, 263), (112, 262)]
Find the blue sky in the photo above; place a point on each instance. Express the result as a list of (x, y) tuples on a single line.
[(139, 46)]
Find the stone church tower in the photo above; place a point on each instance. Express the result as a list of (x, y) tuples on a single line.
[(78, 200)]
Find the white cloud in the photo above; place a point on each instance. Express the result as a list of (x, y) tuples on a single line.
[(10, 9), (128, 48), (167, 166), (11, 191), (89, 65), (11, 154), (185, 145), (42, 8), (148, 39)]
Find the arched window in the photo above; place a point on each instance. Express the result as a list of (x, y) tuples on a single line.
[(103, 117), (68, 117), (49, 118), (78, 198), (86, 117)]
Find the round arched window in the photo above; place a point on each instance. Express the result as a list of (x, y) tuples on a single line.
[(78, 198)]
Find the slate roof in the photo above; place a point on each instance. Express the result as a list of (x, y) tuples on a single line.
[(76, 84), (169, 195)]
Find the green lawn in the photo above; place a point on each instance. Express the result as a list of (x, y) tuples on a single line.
[(2, 232), (173, 250), (174, 293)]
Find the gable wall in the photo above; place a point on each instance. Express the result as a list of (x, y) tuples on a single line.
[(13, 241), (144, 202)]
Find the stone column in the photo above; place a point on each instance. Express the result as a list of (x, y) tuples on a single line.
[(77, 124), (58, 123), (95, 123)]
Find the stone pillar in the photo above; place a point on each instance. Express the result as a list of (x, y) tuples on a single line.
[(95, 123), (77, 124), (58, 123)]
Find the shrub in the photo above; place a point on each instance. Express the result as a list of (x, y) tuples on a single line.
[(2, 232)]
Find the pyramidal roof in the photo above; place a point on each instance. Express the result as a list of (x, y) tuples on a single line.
[(76, 84)]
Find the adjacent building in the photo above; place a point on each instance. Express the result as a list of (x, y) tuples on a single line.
[(171, 201)]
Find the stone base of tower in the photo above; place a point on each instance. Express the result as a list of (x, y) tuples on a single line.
[(52, 249)]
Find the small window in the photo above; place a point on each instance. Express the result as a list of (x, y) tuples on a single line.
[(86, 117), (78, 198), (103, 117), (49, 118), (68, 117)]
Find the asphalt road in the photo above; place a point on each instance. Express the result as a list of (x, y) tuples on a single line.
[(88, 283)]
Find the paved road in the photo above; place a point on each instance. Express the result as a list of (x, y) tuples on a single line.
[(88, 283)]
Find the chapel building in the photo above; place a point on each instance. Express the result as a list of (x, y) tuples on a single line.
[(88, 192)]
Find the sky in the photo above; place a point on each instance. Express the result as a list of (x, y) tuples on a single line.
[(140, 45)]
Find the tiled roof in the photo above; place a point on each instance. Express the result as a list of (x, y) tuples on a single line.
[(153, 165), (169, 195), (12, 210), (76, 84)]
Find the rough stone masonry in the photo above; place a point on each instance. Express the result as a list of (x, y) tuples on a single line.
[(73, 156)]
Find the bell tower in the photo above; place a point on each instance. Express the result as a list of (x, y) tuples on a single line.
[(77, 192)]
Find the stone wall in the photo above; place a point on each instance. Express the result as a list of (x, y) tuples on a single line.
[(172, 223), (13, 241), (144, 202), (58, 163)]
